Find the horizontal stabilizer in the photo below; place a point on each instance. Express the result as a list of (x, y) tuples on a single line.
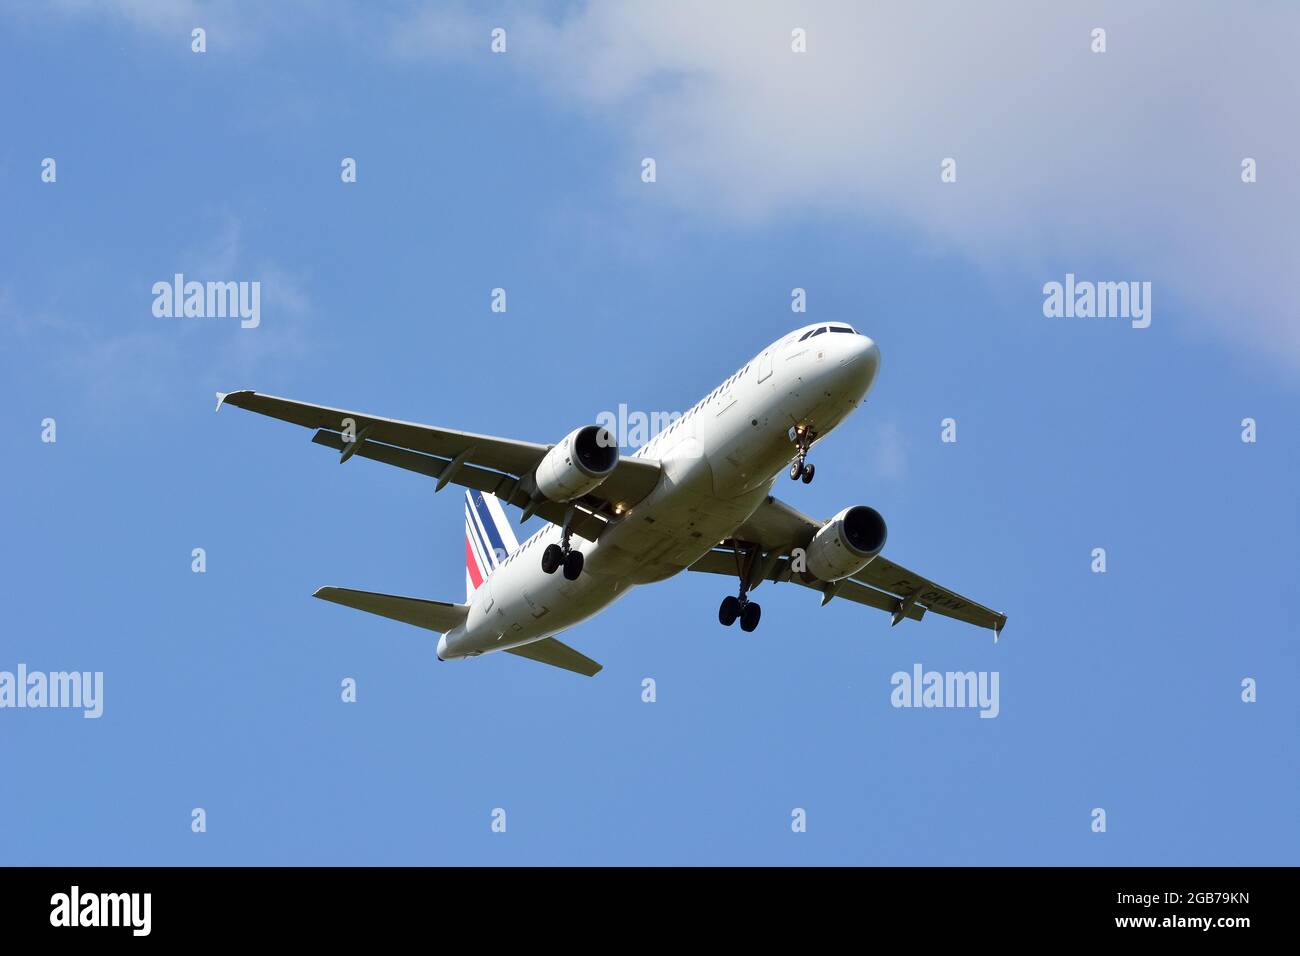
[(550, 651), (435, 615)]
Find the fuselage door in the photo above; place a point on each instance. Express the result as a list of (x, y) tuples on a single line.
[(765, 365)]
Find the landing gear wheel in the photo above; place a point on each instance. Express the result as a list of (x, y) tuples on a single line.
[(552, 558), (572, 565), (729, 610), (803, 437), (749, 616)]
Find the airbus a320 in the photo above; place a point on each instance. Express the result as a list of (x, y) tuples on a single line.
[(696, 497)]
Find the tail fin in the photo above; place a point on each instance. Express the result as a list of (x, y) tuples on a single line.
[(489, 539)]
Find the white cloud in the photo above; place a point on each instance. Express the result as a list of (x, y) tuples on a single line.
[(1124, 165)]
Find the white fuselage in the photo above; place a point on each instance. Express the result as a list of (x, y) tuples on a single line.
[(719, 462)]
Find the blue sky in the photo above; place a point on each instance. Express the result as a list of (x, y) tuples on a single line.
[(1118, 690)]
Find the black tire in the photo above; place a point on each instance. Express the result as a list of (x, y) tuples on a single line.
[(808, 472), (552, 558), (573, 565), (749, 616), (729, 611), (795, 471)]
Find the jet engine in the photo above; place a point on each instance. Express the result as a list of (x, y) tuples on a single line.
[(578, 464), (847, 543)]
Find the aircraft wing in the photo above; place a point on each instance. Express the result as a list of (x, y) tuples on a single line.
[(914, 589), (763, 546), (500, 466), (775, 526)]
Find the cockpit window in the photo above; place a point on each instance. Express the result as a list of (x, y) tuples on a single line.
[(820, 331), (843, 328)]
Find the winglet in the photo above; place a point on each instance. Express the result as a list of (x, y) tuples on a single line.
[(223, 397)]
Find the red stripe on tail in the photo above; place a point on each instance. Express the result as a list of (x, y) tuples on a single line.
[(471, 564)]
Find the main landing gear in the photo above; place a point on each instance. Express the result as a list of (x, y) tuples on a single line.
[(561, 555), (803, 437), (554, 556), (740, 606)]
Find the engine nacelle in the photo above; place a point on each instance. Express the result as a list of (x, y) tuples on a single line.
[(578, 464), (847, 543)]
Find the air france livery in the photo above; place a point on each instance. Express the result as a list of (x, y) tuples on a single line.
[(696, 497)]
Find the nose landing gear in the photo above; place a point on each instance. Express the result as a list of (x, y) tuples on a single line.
[(803, 437)]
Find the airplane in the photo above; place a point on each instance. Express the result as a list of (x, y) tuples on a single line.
[(695, 497)]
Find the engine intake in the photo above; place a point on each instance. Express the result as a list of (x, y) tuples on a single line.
[(847, 543), (578, 464)]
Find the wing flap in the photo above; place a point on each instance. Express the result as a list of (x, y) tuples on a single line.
[(432, 615), (553, 652)]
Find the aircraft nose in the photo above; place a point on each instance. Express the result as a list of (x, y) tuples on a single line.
[(868, 353), (863, 361)]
